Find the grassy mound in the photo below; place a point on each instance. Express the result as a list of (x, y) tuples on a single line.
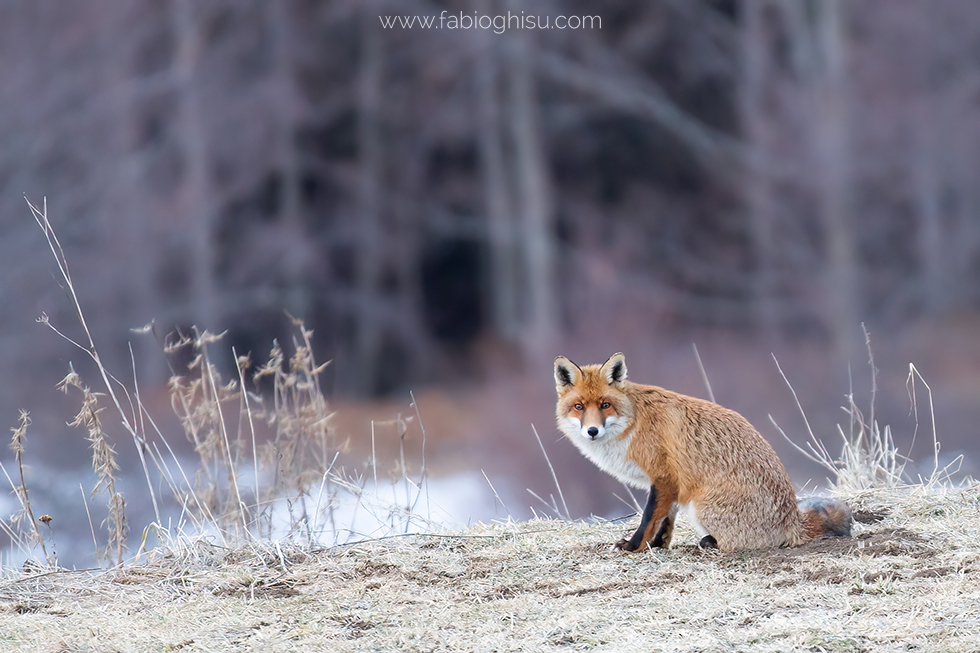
[(907, 580)]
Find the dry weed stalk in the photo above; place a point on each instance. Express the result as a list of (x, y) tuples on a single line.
[(302, 454), (17, 446), (113, 387), (304, 446), (103, 462), (298, 459), (554, 504), (199, 403), (869, 457), (940, 475)]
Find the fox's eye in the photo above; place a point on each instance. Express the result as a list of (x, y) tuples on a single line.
[(579, 407), (605, 405)]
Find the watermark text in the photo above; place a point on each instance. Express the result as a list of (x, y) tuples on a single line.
[(499, 23)]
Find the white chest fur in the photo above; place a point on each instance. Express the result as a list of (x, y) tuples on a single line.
[(607, 451)]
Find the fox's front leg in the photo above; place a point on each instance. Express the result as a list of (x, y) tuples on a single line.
[(656, 524)]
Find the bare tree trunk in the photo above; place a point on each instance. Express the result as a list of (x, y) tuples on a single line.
[(934, 257), (139, 256), (142, 235), (834, 158), (755, 68), (287, 109), (497, 195), (966, 237), (369, 228), (195, 201), (533, 195), (818, 48)]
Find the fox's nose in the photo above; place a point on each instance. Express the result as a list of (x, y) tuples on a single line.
[(593, 431)]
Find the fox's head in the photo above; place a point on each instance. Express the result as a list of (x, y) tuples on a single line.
[(591, 401)]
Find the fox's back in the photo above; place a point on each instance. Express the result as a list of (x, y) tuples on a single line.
[(719, 464), (701, 435)]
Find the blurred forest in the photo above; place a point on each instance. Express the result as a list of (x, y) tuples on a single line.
[(458, 206)]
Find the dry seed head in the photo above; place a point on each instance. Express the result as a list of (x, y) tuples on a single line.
[(206, 338), (71, 380), (17, 441), (274, 365), (299, 359), (181, 342)]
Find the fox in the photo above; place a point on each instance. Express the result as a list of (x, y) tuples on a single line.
[(693, 455)]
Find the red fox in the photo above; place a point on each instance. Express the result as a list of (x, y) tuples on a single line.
[(691, 454)]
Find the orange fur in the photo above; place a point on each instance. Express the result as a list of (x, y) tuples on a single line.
[(691, 453)]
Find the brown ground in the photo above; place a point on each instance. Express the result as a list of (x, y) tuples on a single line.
[(908, 580)]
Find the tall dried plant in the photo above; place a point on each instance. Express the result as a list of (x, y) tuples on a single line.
[(295, 467), (305, 445), (113, 388), (869, 456), (17, 446), (200, 400), (103, 462)]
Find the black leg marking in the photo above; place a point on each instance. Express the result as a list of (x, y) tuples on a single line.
[(666, 526), (708, 542), (633, 543), (645, 519)]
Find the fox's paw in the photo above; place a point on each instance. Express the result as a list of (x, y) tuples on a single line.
[(624, 545), (708, 542), (709, 545)]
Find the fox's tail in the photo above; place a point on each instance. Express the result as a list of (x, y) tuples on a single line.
[(823, 517)]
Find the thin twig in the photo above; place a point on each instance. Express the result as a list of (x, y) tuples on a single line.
[(704, 375), (95, 542), (141, 440), (494, 490), (553, 475), (232, 473), (423, 478), (251, 428)]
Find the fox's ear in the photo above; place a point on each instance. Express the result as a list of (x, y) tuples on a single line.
[(567, 374), (614, 369)]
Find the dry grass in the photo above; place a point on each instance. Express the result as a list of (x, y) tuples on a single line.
[(245, 566), (269, 465), (908, 580), (869, 456)]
